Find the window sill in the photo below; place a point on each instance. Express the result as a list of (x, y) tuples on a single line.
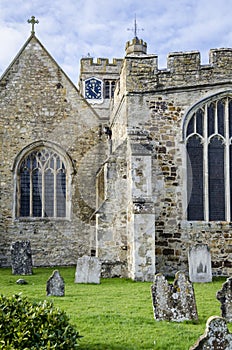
[(30, 219), (209, 224)]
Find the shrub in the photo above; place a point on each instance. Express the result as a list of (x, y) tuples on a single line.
[(28, 325)]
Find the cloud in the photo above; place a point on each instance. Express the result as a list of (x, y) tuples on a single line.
[(73, 28)]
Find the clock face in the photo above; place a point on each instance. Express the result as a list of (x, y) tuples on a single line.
[(93, 89)]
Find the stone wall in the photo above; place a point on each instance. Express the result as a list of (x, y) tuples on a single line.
[(141, 216), (38, 103), (158, 101), (104, 70)]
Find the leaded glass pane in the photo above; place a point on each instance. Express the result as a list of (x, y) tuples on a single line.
[(36, 193), (190, 128), (221, 116), (195, 179), (211, 119), (49, 193), (107, 89), (230, 118), (199, 122), (24, 192), (216, 180), (61, 194), (231, 180), (112, 88)]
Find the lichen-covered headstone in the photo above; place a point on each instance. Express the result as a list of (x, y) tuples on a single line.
[(199, 260), (88, 270), (55, 285), (21, 258), (216, 336), (173, 302), (225, 297)]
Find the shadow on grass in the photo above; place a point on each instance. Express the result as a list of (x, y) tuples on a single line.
[(105, 347)]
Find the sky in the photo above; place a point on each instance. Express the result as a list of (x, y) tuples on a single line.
[(72, 29)]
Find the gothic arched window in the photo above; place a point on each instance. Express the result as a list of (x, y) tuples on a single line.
[(208, 135), (42, 180)]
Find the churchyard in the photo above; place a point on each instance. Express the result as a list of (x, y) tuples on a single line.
[(117, 314)]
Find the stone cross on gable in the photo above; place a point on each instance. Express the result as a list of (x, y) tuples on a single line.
[(33, 21)]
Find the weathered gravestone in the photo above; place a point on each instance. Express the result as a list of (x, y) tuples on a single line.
[(88, 270), (216, 336), (21, 259), (225, 297), (173, 302), (55, 285), (199, 259)]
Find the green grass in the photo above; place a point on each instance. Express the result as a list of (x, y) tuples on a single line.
[(117, 314)]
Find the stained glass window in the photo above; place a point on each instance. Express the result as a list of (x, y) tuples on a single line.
[(208, 135), (42, 185)]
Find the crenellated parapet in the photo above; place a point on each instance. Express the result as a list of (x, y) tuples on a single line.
[(183, 69), (136, 47), (220, 57), (100, 65), (183, 61), (186, 61)]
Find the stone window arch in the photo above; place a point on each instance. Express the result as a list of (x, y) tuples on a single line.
[(42, 173), (208, 139)]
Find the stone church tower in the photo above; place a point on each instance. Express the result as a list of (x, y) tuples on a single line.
[(133, 166)]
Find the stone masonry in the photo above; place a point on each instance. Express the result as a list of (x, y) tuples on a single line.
[(126, 198), (49, 111)]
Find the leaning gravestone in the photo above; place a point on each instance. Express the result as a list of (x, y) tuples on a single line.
[(88, 270), (225, 297), (55, 285), (216, 336), (21, 259), (173, 302), (200, 263)]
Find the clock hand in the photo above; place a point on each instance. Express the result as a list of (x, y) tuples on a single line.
[(94, 91)]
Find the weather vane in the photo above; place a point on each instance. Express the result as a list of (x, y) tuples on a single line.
[(135, 29), (33, 21)]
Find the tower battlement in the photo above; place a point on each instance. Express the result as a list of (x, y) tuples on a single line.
[(183, 69), (136, 47), (186, 61), (100, 65)]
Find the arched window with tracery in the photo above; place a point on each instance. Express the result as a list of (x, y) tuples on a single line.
[(42, 184), (208, 135)]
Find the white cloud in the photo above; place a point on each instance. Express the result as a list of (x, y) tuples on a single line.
[(73, 28)]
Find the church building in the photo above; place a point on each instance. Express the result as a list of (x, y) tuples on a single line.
[(133, 165)]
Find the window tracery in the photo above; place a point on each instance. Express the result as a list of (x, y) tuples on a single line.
[(41, 182), (208, 135)]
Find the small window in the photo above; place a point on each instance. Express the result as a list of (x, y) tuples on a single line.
[(109, 87)]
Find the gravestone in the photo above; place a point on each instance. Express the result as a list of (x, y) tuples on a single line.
[(173, 302), (225, 297), (88, 270), (216, 336), (55, 285), (199, 260), (21, 259)]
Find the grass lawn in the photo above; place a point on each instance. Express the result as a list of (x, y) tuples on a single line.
[(117, 314)]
